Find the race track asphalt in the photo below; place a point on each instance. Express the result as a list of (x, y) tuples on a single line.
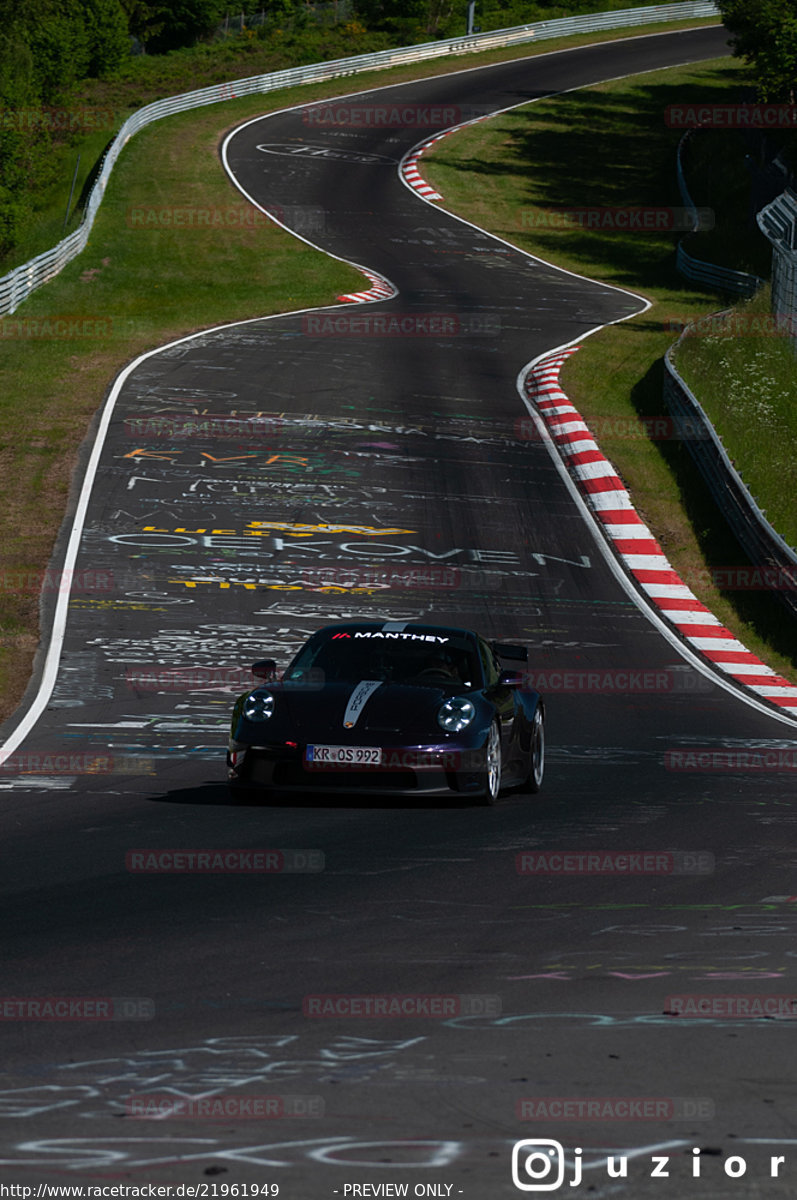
[(409, 455)]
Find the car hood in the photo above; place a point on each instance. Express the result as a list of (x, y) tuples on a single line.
[(347, 711)]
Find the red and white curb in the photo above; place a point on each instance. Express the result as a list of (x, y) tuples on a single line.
[(380, 289), (412, 176), (607, 497), (409, 167)]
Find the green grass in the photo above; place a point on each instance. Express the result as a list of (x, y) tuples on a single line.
[(48, 222), (748, 385), (608, 147)]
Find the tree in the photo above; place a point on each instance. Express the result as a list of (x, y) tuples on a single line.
[(438, 12), (56, 34), (109, 40), (395, 16), (161, 27), (764, 34)]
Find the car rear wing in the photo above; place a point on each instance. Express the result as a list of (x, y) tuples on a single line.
[(511, 651)]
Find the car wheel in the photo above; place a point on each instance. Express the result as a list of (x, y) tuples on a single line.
[(536, 753), (492, 772)]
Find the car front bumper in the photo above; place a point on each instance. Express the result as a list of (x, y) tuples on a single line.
[(406, 771)]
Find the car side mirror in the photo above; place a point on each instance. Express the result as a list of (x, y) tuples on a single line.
[(510, 650), (512, 678), (264, 669)]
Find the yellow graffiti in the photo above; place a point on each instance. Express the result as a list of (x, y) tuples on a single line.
[(224, 584), (267, 528), (298, 530)]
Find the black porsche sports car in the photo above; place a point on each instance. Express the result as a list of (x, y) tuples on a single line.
[(398, 708)]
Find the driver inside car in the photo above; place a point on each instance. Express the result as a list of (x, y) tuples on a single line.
[(441, 667)]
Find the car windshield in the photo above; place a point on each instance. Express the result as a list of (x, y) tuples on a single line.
[(351, 657)]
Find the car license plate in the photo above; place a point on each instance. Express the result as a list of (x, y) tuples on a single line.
[(355, 756)]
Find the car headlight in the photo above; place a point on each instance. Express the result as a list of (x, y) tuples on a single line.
[(258, 706), (456, 714)]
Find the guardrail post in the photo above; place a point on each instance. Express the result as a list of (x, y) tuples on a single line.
[(778, 222)]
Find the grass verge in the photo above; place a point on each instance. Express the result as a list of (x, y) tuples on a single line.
[(745, 374), (606, 148)]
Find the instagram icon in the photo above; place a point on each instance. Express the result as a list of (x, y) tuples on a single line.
[(538, 1165)]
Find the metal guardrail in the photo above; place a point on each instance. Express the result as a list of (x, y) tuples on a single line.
[(778, 222), (763, 545), (19, 283), (721, 279)]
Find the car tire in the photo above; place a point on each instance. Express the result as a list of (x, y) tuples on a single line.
[(492, 771), (533, 781)]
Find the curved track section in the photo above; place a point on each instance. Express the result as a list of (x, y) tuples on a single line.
[(250, 484), (636, 546)]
